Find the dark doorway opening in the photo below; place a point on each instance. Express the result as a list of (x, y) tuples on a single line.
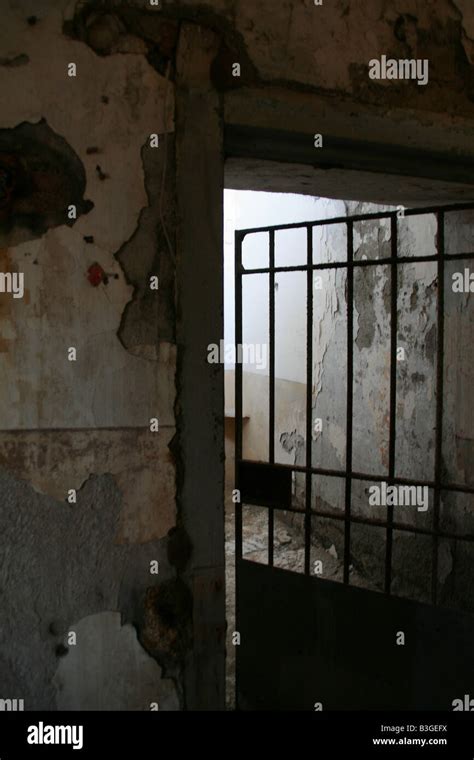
[(278, 488)]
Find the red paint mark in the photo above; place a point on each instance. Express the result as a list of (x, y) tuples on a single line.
[(96, 275)]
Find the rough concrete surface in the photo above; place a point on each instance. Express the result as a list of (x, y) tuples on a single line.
[(84, 424), (86, 679), (59, 565)]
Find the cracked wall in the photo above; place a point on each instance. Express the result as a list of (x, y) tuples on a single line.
[(294, 43), (291, 45), (86, 283), (415, 406), (85, 425), (62, 566), (416, 383)]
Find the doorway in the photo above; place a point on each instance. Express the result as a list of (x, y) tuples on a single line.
[(340, 296)]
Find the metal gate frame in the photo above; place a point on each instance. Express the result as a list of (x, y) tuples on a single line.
[(272, 503)]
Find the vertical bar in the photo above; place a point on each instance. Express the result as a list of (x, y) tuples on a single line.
[(238, 439), (350, 399), (440, 241), (309, 399), (393, 392), (271, 395), (238, 388)]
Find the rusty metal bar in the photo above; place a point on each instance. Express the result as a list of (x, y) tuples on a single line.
[(364, 217), (362, 263), (350, 399), (271, 415), (439, 408), (309, 399), (458, 487), (393, 393)]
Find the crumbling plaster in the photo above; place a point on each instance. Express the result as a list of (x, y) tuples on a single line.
[(417, 289), (53, 462), (293, 42), (86, 679), (61, 303), (107, 123), (416, 400), (60, 565), (292, 45), (85, 425)]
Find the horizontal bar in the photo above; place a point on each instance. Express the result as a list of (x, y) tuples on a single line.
[(373, 522), (469, 537), (361, 218), (458, 487), (362, 263)]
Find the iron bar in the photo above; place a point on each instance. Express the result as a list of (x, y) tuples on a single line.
[(309, 399), (350, 400)]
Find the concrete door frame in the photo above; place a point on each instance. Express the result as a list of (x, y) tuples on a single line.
[(200, 386), (202, 144)]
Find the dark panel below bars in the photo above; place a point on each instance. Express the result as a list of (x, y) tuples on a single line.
[(267, 485)]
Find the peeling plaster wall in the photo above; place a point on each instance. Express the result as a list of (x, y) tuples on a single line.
[(85, 425), (288, 48), (416, 401), (55, 461), (62, 305), (61, 564), (79, 678), (126, 339), (294, 42), (416, 386)]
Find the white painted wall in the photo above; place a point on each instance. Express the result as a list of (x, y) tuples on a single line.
[(244, 209)]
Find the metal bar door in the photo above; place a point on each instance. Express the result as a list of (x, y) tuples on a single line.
[(260, 590)]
